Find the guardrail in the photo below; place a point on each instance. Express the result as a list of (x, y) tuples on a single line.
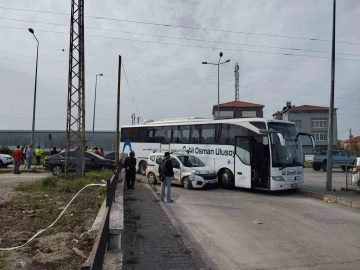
[(96, 257), (349, 174)]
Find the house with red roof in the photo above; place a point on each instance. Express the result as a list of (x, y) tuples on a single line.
[(311, 119), (237, 109)]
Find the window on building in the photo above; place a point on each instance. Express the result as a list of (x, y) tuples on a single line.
[(319, 123), (320, 136), (297, 123)]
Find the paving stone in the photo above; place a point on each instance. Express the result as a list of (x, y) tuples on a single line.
[(156, 248)]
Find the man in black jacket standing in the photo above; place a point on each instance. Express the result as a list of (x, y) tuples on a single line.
[(168, 171), (130, 170)]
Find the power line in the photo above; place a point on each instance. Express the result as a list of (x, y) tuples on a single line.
[(130, 89), (185, 38), (190, 46), (182, 26)]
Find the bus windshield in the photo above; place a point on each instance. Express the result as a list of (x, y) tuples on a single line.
[(191, 161), (291, 154)]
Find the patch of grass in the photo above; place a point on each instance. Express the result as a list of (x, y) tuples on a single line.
[(177, 235), (307, 164), (3, 259), (137, 217)]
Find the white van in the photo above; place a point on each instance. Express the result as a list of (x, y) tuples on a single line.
[(189, 171)]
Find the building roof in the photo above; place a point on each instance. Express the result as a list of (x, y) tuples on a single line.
[(308, 107), (302, 108), (353, 139), (238, 104)]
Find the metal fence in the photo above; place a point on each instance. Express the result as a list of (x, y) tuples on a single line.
[(352, 179), (96, 257)]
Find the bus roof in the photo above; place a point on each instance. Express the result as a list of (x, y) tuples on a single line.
[(194, 121)]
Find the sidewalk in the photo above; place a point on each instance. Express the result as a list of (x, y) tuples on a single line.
[(150, 240)]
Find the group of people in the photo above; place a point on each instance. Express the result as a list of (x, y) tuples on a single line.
[(95, 151), (166, 174), (24, 155)]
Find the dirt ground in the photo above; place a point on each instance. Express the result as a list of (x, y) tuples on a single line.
[(34, 205), (9, 180)]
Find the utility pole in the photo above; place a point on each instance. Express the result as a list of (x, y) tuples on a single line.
[(350, 136), (133, 119), (117, 143), (331, 109), (236, 81)]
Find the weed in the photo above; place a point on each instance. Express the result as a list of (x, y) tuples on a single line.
[(3, 256), (137, 217), (49, 182), (139, 235), (177, 235)]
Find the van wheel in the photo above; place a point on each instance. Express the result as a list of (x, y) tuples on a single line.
[(1, 164), (316, 166), (187, 183), (324, 166), (343, 168), (151, 178), (142, 168), (227, 179)]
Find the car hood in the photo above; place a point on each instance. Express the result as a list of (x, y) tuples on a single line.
[(5, 155)]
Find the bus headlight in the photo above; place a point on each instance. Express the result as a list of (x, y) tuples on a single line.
[(195, 172), (191, 177), (278, 178)]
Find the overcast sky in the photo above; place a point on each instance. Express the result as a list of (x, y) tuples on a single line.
[(168, 80)]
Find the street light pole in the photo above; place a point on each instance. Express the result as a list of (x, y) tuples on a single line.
[(93, 129), (218, 64), (34, 105), (331, 109)]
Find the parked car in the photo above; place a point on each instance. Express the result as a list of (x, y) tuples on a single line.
[(339, 157), (5, 160), (189, 171), (56, 163)]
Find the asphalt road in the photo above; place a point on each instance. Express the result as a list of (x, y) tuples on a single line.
[(295, 232)]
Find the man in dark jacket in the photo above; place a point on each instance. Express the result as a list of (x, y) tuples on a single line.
[(168, 171), (130, 170)]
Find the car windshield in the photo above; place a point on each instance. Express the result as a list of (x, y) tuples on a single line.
[(291, 154), (191, 161)]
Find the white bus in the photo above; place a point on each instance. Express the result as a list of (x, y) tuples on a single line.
[(247, 152)]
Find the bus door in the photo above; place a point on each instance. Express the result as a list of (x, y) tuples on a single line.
[(260, 162), (242, 162), (252, 162)]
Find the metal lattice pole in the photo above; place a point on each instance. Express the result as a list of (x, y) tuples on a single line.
[(236, 82), (75, 122)]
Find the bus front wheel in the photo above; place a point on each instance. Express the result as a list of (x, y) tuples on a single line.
[(226, 179)]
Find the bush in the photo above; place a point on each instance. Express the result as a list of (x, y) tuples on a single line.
[(5, 150)]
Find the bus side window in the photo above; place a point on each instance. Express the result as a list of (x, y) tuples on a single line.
[(208, 134), (176, 136), (185, 134), (195, 134)]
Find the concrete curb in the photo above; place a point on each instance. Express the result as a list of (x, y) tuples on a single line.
[(194, 254), (330, 198)]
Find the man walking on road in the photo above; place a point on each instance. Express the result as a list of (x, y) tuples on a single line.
[(130, 170), (38, 153), (17, 155), (29, 156), (168, 171)]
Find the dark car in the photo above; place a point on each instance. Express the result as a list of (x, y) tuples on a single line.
[(110, 156), (56, 163)]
